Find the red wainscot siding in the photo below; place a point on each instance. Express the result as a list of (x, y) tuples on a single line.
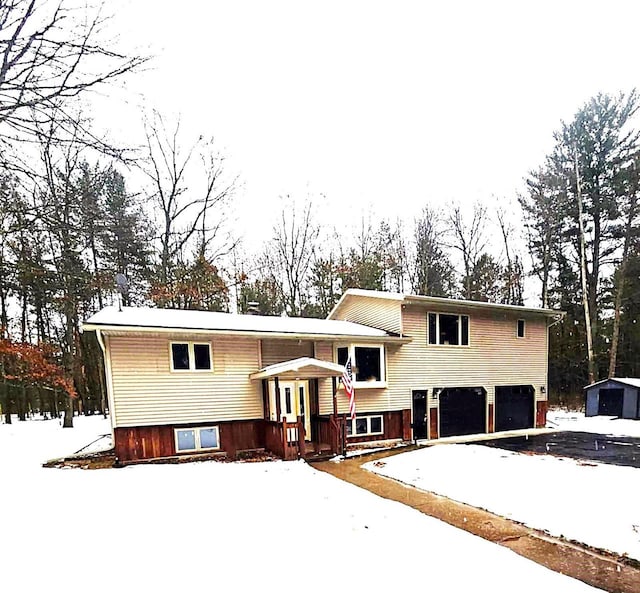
[(397, 425), (491, 417), (433, 423), (541, 414), (152, 442)]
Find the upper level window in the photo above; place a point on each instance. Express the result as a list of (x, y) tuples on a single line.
[(446, 329), (520, 328), (367, 363), (190, 356)]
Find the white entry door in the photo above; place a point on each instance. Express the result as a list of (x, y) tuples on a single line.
[(294, 402)]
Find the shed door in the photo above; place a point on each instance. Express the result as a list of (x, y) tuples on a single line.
[(462, 411), (515, 405), (610, 402)]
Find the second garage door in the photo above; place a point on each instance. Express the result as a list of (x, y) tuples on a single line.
[(462, 411), (515, 407)]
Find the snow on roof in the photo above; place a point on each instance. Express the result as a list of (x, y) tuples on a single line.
[(631, 381), (145, 317), (415, 298), (305, 366)]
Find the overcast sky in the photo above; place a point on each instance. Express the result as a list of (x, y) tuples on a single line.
[(382, 105)]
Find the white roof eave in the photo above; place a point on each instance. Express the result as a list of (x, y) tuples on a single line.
[(297, 365)]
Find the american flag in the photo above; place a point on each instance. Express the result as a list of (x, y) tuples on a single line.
[(347, 381)]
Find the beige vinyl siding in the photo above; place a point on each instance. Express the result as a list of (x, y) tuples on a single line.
[(275, 351), (367, 399), (147, 392), (382, 314), (495, 356)]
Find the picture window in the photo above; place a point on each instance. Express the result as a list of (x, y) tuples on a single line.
[(367, 363), (445, 329)]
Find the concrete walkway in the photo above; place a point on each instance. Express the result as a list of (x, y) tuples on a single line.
[(594, 567)]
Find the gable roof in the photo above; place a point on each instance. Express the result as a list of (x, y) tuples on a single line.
[(403, 298), (148, 319), (300, 368), (630, 381)]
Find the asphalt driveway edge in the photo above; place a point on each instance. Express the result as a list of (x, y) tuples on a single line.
[(598, 568)]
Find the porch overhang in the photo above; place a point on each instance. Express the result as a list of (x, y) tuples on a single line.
[(300, 368)]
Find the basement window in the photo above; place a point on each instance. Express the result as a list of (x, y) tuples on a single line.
[(445, 329), (520, 328), (206, 438), (190, 356), (365, 426)]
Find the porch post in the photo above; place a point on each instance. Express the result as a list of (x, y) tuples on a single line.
[(334, 381), (301, 444), (278, 410), (265, 399)]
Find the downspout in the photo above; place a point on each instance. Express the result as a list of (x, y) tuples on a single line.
[(107, 380), (557, 319)]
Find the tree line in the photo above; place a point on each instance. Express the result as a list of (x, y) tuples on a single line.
[(69, 222)]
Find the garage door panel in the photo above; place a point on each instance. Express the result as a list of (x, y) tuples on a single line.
[(514, 407), (462, 411)]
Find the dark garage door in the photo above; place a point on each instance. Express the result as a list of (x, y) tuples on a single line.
[(610, 402), (514, 407), (462, 411)]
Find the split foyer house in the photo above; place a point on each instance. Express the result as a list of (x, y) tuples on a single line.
[(188, 382)]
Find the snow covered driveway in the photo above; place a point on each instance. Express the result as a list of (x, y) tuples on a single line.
[(230, 526), (592, 503)]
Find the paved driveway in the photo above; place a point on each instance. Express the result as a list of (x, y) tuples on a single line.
[(578, 445)]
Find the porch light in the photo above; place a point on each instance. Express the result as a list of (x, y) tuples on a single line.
[(542, 388)]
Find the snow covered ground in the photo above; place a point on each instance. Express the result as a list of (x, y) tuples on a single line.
[(576, 421), (231, 526), (596, 504)]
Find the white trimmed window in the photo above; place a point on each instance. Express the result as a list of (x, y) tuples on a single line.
[(520, 328), (367, 362), (205, 438), (362, 426), (191, 356), (447, 329)]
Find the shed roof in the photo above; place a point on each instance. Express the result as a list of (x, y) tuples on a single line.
[(145, 319), (631, 381)]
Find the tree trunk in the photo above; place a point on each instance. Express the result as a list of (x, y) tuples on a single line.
[(22, 404), (6, 404), (68, 413), (583, 278), (622, 272)]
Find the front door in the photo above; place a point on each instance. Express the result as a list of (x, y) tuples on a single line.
[(294, 402), (419, 415)]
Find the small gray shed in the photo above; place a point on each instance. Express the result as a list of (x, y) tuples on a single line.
[(613, 397)]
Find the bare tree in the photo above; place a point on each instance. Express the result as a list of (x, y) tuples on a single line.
[(192, 191), (512, 282), (469, 239), (294, 242), (50, 53), (431, 273)]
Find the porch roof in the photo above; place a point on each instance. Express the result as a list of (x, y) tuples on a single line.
[(300, 368)]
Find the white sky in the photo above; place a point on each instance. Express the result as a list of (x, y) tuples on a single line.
[(383, 104)]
